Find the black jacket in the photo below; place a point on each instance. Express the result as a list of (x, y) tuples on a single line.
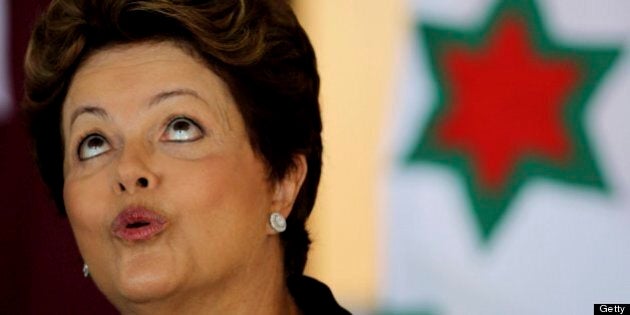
[(313, 297)]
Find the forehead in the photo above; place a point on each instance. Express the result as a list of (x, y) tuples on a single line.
[(136, 54), (131, 65), (133, 73)]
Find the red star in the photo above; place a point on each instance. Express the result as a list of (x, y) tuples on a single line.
[(506, 102)]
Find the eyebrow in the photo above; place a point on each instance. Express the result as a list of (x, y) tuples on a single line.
[(158, 98), (162, 96), (94, 110)]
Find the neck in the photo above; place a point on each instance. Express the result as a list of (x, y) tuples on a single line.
[(259, 288)]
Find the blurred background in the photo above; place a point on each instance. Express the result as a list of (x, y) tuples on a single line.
[(476, 161)]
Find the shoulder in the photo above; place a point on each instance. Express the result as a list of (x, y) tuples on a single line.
[(313, 296)]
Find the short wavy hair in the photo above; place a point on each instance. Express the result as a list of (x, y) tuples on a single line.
[(256, 46)]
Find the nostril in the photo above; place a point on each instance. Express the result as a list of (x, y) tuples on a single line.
[(122, 187), (143, 182)]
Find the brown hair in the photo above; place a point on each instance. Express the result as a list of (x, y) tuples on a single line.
[(256, 46)]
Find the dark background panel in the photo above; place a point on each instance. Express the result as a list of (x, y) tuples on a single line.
[(40, 268)]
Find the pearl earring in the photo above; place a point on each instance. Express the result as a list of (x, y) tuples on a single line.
[(86, 270), (277, 221)]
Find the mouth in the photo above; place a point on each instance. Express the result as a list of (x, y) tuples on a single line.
[(138, 224)]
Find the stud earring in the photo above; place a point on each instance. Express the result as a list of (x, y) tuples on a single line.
[(278, 223), (86, 270)]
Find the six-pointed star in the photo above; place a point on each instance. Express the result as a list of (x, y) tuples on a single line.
[(510, 106)]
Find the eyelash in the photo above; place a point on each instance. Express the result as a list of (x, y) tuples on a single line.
[(82, 141), (193, 121), (172, 120)]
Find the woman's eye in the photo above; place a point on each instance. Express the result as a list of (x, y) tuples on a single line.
[(92, 146), (182, 130)]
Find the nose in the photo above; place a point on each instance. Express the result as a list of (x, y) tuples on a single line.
[(133, 172)]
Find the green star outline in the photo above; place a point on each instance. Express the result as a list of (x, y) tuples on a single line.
[(488, 208)]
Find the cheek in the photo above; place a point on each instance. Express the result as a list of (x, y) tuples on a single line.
[(219, 189), (220, 201), (85, 203)]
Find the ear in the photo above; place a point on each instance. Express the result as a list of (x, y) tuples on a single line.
[(287, 188)]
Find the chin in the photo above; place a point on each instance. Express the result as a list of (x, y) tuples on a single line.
[(142, 284)]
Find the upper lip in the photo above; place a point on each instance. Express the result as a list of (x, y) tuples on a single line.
[(137, 223)]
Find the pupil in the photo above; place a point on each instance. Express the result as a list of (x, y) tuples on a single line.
[(95, 142), (181, 126)]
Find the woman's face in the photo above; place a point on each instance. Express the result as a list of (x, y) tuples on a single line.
[(162, 188)]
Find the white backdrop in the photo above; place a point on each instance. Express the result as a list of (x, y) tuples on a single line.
[(560, 248)]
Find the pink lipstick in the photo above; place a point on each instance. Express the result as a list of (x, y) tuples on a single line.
[(138, 224)]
